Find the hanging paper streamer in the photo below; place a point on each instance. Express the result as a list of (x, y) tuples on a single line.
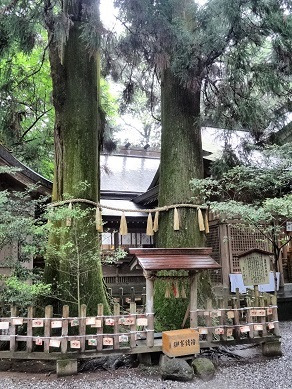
[(123, 225), (69, 219), (167, 291), (149, 229), (183, 292), (98, 220), (206, 220), (201, 220), (175, 220), (155, 224), (175, 289)]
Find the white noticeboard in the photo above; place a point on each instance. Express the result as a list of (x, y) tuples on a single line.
[(255, 269), (289, 226)]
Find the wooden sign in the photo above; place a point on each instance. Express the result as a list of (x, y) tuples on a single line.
[(54, 343), (92, 342), (74, 322), (180, 342), (90, 321), (244, 329), (4, 325), (203, 331), (255, 268), (17, 321), (142, 321), (127, 321), (261, 312), (75, 343), (219, 331), (269, 311), (37, 323), (56, 324), (38, 341), (107, 341), (123, 338), (109, 322)]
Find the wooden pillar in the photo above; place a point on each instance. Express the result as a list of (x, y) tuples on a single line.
[(224, 236), (150, 307), (194, 300)]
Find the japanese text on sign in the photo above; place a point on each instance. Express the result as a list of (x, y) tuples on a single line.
[(180, 342), (255, 269)]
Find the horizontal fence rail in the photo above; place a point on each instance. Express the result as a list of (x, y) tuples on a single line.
[(82, 334), (239, 319)]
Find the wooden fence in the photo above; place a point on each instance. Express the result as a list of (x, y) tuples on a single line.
[(80, 334), (236, 319), (239, 319)]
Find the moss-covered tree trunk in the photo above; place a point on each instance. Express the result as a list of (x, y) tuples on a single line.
[(75, 75), (181, 160)]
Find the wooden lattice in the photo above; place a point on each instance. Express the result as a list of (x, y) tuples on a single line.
[(213, 240), (243, 239)]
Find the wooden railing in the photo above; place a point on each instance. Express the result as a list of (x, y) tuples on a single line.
[(82, 334), (241, 319)]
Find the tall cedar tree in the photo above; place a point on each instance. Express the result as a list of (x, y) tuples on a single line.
[(228, 62), (75, 75), (74, 33)]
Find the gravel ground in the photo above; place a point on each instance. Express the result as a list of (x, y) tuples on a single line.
[(253, 373)]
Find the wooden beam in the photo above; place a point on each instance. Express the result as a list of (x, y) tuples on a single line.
[(150, 307)]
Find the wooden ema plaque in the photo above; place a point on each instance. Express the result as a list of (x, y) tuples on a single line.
[(180, 342)]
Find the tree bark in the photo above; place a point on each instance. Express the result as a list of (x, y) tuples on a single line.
[(181, 160), (77, 136)]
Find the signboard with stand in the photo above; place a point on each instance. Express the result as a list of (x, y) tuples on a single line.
[(255, 267)]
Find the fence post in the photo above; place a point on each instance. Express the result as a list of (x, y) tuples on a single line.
[(12, 330), (133, 327), (194, 301), (263, 318), (99, 330), (209, 321), (116, 325), (82, 327), (121, 296), (29, 329), (64, 343), (275, 315), (150, 308), (47, 330)]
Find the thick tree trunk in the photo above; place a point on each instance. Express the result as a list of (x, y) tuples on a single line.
[(181, 160), (77, 134)]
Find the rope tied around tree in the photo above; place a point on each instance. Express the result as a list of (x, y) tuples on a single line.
[(152, 225)]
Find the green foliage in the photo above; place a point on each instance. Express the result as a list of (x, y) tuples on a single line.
[(23, 293), (257, 195), (18, 225), (74, 254), (237, 52)]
